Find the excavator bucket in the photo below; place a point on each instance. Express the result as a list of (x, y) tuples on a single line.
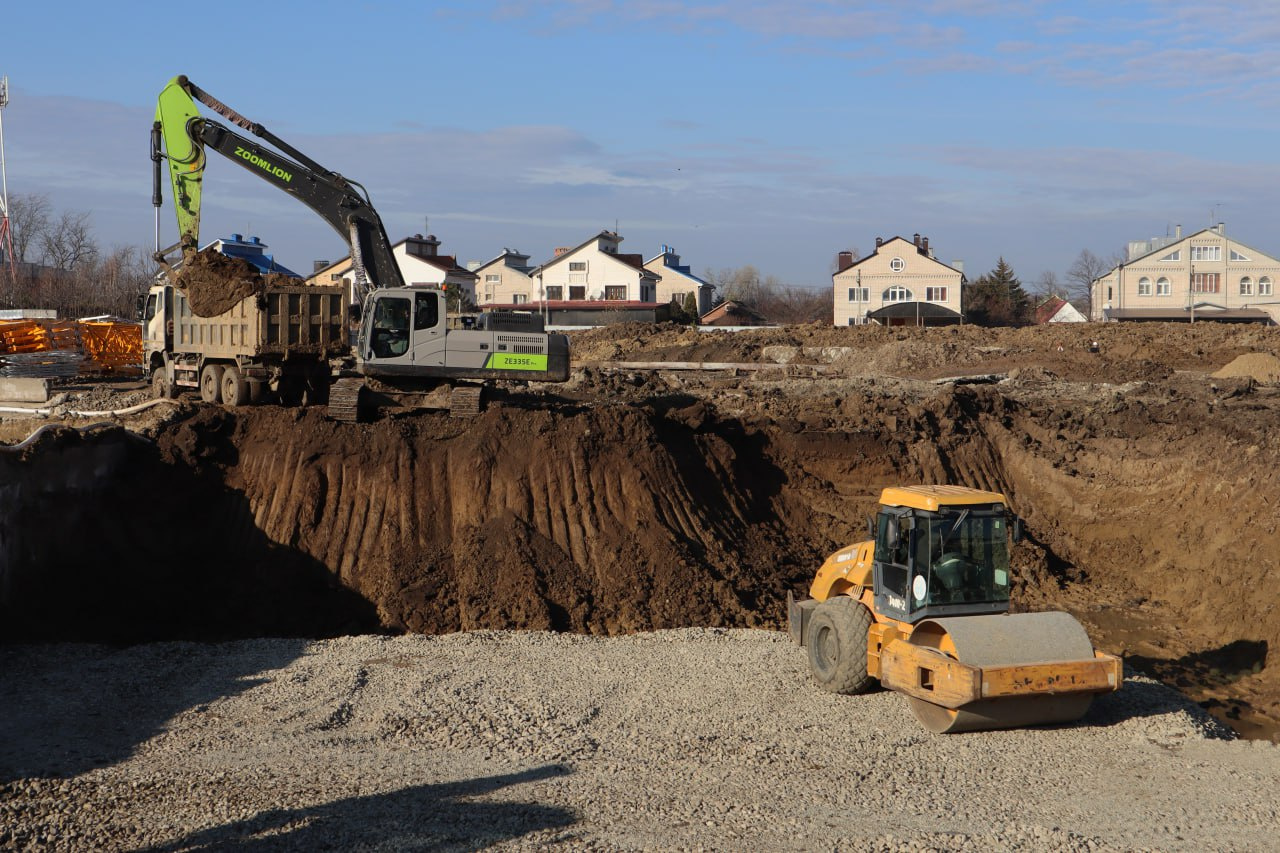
[(996, 672), (174, 110)]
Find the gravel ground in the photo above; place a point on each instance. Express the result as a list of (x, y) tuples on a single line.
[(683, 739)]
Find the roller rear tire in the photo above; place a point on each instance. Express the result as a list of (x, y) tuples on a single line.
[(837, 644)]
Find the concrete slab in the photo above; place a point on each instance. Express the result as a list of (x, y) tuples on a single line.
[(17, 390)]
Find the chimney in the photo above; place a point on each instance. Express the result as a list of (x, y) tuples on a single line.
[(560, 250), (879, 242), (845, 261), (423, 247), (1177, 232), (1222, 229), (318, 265), (917, 239), (924, 246)]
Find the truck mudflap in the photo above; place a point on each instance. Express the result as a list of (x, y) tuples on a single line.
[(928, 674)]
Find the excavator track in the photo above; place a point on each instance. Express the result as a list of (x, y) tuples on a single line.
[(344, 400), (464, 401)]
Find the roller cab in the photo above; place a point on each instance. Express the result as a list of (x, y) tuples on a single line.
[(923, 609)]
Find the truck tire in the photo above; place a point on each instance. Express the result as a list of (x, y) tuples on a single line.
[(162, 386), (235, 391), (211, 383), (837, 645)]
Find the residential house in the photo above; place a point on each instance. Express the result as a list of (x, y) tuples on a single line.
[(730, 313), (1055, 309), (421, 265), (1203, 276), (901, 283), (676, 281), (505, 280), (596, 270)]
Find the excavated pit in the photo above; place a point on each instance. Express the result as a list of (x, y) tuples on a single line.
[(630, 502)]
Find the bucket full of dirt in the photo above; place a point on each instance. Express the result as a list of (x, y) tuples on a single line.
[(215, 283)]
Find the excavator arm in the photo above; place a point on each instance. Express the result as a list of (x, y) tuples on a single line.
[(181, 136)]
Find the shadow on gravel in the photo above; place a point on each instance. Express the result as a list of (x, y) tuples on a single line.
[(1140, 699), (424, 817), (67, 709)]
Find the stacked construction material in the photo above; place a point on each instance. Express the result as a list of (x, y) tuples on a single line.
[(39, 348), (111, 347)]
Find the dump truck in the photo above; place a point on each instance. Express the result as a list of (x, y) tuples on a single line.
[(922, 608), (276, 337), (277, 341)]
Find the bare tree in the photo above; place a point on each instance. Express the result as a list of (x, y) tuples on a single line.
[(1087, 268), (68, 242), (28, 221), (1048, 285)]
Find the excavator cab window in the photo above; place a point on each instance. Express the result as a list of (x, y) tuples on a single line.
[(390, 337), (426, 311)]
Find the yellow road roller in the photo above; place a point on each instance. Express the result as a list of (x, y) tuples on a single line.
[(923, 608)]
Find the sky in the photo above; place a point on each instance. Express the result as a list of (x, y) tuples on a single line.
[(774, 134)]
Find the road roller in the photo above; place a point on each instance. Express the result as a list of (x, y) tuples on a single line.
[(922, 608)]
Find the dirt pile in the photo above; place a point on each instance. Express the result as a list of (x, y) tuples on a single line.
[(215, 282), (1259, 366)]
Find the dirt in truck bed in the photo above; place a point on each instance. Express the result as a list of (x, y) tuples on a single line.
[(1145, 468)]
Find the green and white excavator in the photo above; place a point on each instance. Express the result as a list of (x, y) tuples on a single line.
[(405, 341)]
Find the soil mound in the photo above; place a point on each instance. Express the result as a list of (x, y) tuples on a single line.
[(1259, 366), (215, 282)]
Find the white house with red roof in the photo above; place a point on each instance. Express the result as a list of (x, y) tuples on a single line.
[(421, 265)]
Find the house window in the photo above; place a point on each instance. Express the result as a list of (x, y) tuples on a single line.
[(555, 291), (1144, 286), (335, 276), (1264, 286), (1246, 286), (897, 264), (1175, 255), (492, 278), (935, 294), (859, 294), (615, 291), (896, 294), (519, 298), (1206, 253), (1162, 287), (1204, 282), (577, 266), (1236, 256), (578, 291)]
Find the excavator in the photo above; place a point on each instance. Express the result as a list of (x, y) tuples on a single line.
[(405, 343), (923, 608)]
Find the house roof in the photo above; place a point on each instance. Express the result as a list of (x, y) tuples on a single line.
[(1167, 247), (734, 308), (919, 249), (1046, 309), (448, 263), (507, 253), (632, 260), (682, 269)]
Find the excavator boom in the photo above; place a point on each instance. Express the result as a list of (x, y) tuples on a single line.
[(181, 136)]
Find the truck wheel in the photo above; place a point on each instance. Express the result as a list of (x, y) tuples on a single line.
[(235, 391), (161, 386), (211, 383), (837, 645)]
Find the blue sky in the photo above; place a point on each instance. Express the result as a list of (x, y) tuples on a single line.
[(767, 133)]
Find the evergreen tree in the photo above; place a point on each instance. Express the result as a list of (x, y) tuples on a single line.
[(997, 299)]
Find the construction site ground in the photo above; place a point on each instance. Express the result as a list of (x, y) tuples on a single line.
[(638, 499)]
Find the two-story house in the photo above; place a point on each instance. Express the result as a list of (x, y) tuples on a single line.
[(595, 270), (901, 283), (505, 280), (1203, 276), (421, 265), (676, 281)]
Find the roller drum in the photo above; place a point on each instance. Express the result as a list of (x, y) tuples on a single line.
[(1008, 639)]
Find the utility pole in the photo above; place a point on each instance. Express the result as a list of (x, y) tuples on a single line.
[(6, 230)]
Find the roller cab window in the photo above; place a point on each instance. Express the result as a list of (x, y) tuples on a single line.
[(960, 557)]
